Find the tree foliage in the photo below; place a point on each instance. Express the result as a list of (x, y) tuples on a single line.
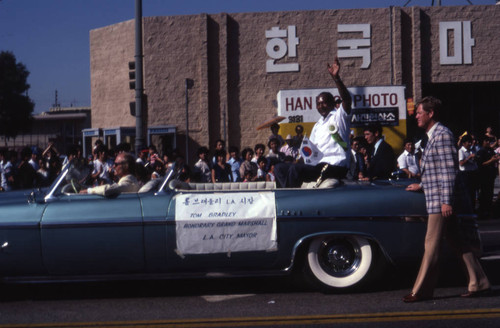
[(15, 106)]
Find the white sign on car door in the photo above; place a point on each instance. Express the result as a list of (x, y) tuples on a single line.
[(225, 222)]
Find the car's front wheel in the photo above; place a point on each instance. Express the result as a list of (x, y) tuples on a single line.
[(339, 261)]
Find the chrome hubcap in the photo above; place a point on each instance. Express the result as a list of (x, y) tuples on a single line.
[(339, 257)]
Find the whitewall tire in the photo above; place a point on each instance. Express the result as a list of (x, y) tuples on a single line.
[(339, 261)]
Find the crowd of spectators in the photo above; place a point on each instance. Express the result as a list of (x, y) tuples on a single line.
[(31, 167), (254, 164), (371, 158), (479, 160)]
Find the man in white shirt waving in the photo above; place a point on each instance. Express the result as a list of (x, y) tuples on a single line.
[(330, 135)]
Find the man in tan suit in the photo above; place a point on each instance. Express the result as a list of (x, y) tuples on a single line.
[(124, 168), (439, 171)]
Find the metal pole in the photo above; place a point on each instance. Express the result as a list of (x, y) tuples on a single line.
[(225, 130), (187, 122), (189, 85), (139, 88), (391, 33)]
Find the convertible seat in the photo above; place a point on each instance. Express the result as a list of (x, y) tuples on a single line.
[(257, 185), (151, 185), (224, 186)]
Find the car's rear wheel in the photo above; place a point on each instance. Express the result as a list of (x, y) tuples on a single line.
[(339, 261)]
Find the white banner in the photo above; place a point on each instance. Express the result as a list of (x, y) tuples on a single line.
[(225, 222)]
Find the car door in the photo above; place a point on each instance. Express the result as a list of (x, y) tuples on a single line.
[(20, 252), (91, 234)]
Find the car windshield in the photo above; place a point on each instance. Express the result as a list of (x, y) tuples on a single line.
[(71, 179), (75, 177), (171, 175)]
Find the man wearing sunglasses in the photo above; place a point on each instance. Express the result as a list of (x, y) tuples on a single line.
[(124, 168)]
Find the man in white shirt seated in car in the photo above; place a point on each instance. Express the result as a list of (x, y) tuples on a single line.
[(124, 168), (408, 161), (330, 136)]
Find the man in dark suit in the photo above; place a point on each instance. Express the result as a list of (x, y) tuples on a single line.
[(439, 171), (382, 161)]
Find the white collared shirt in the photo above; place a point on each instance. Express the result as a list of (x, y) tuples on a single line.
[(353, 154), (332, 152), (105, 170), (431, 130), (408, 161), (375, 147), (470, 165)]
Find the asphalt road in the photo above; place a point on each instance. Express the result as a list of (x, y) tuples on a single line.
[(248, 302), (240, 302), (256, 302)]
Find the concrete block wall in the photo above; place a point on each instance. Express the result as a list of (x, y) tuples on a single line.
[(111, 48), (485, 21), (225, 55), (175, 49)]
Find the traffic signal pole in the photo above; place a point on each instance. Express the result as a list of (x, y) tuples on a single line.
[(139, 85)]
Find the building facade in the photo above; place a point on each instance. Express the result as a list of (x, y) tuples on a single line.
[(61, 126), (247, 67)]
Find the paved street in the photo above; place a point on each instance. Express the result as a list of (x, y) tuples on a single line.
[(250, 302), (261, 302)]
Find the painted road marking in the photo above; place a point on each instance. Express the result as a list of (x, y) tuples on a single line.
[(281, 320)]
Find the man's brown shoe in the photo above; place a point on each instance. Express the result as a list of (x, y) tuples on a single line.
[(412, 298)]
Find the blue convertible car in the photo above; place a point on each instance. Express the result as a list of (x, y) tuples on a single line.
[(339, 234)]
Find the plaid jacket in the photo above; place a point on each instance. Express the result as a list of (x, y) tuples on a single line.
[(439, 169)]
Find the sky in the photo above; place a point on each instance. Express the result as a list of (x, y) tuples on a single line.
[(51, 37)]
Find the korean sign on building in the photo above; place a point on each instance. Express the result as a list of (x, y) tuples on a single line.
[(355, 42), (384, 105), (352, 48), (282, 43), (277, 49), (462, 43)]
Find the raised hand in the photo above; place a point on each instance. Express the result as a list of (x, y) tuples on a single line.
[(334, 68)]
